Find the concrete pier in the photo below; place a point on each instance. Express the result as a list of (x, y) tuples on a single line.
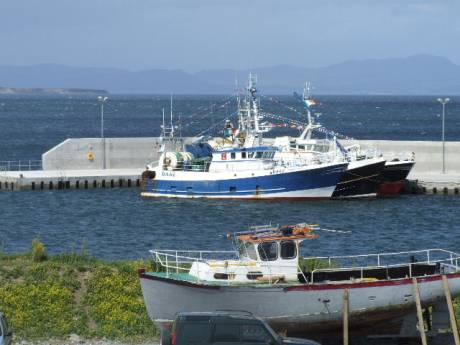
[(69, 179), (426, 177), (118, 162)]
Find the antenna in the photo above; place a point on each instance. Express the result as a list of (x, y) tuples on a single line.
[(163, 122), (171, 106)]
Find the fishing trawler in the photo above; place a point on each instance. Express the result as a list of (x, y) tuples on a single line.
[(394, 175), (240, 168), (267, 276), (362, 176)]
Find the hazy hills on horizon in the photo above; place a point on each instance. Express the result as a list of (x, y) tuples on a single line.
[(415, 75)]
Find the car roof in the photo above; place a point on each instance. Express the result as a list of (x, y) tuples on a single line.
[(239, 314)]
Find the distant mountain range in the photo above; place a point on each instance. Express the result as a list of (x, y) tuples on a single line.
[(49, 91), (415, 75)]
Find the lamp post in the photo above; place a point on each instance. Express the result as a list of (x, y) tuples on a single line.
[(443, 102), (102, 100)]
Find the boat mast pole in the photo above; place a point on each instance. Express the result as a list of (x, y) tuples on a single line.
[(172, 127), (306, 96), (255, 107)]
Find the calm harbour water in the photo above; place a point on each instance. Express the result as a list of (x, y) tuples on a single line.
[(118, 224)]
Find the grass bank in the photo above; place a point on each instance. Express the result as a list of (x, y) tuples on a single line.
[(54, 296)]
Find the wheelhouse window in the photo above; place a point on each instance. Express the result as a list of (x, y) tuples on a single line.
[(243, 155), (288, 250), (268, 251), (233, 155), (247, 249), (259, 154), (251, 154), (268, 155)]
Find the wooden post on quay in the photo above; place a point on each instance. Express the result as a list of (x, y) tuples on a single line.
[(346, 312), (421, 325), (453, 321)]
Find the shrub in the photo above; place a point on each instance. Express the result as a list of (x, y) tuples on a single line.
[(40, 310), (38, 251), (115, 303)]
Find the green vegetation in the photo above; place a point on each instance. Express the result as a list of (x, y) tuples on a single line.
[(55, 296), (310, 264)]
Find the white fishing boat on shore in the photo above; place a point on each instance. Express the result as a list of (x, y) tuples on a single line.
[(267, 276)]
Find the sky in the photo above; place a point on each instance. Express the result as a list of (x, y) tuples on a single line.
[(195, 35)]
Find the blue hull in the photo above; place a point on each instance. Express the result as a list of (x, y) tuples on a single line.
[(312, 183)]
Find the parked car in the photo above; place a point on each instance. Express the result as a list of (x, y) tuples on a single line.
[(224, 328), (5, 332)]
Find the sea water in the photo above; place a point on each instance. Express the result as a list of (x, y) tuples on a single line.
[(118, 224)]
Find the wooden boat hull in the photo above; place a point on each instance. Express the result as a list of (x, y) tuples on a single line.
[(294, 308)]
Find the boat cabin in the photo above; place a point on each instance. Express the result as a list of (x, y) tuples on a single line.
[(265, 254), (240, 159)]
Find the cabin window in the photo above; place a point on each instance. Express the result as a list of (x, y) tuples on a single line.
[(251, 154), (254, 275), (268, 251), (259, 154), (288, 250), (268, 155), (243, 155), (246, 249), (301, 147), (232, 189), (233, 155)]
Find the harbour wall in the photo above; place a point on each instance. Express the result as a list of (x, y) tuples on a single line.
[(90, 153), (79, 164), (428, 154), (134, 153)]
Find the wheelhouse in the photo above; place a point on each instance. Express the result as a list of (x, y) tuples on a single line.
[(244, 154)]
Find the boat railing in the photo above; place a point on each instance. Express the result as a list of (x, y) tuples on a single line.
[(444, 258), (188, 167), (177, 261), (405, 156), (21, 165), (303, 161)]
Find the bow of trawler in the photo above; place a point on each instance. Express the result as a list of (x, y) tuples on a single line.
[(266, 275)]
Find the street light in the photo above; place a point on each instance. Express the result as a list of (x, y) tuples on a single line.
[(443, 102), (102, 100)]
